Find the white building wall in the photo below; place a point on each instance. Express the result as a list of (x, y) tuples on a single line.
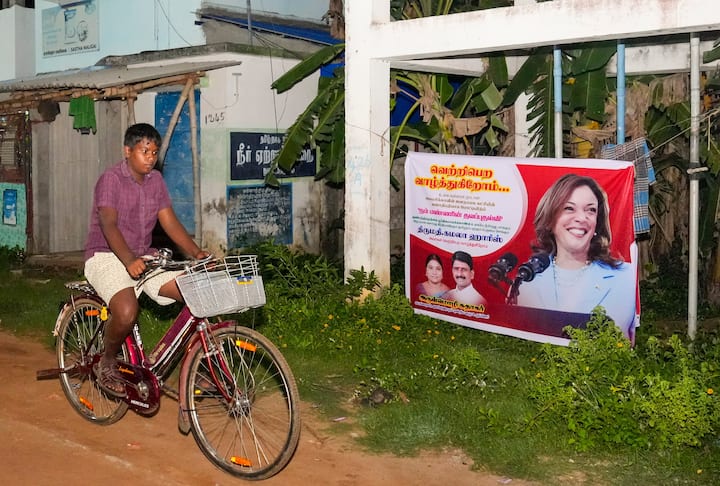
[(17, 56), (239, 99)]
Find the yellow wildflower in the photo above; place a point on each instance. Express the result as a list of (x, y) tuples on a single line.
[(396, 327), (710, 391)]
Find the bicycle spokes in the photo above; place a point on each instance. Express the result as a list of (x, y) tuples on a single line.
[(248, 425)]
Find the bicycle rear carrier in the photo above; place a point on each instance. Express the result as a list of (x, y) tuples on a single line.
[(221, 286)]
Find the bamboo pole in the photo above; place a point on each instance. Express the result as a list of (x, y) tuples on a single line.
[(195, 166), (26, 99), (173, 121), (131, 109)]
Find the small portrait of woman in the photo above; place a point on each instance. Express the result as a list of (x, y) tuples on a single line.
[(433, 285), (572, 226)]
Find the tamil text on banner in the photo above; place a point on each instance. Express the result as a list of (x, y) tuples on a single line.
[(523, 247)]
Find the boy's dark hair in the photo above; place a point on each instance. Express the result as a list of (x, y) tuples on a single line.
[(140, 131)]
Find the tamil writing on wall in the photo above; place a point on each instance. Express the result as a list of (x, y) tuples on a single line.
[(251, 154), (259, 213)]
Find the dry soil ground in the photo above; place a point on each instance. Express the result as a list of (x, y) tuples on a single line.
[(44, 442)]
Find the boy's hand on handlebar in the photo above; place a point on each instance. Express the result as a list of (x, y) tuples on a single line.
[(136, 268), (202, 255)]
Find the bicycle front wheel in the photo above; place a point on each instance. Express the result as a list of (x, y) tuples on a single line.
[(243, 404), (79, 342)]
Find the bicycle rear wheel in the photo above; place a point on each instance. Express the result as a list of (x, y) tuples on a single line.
[(77, 350), (243, 404)]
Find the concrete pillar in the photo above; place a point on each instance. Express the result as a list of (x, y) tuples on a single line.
[(367, 157)]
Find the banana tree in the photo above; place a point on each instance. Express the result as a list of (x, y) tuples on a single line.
[(453, 110), (584, 94), (322, 123)]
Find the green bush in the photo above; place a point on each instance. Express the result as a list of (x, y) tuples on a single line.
[(607, 393), (11, 257)]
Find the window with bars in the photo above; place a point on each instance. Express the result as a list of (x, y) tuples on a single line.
[(8, 154)]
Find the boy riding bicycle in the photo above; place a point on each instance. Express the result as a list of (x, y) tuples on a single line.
[(130, 197)]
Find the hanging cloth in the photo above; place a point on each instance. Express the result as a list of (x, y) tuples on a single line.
[(636, 151), (83, 109)]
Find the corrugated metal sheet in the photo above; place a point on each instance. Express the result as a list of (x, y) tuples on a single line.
[(101, 77)]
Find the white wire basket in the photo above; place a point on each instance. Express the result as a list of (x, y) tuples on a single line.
[(223, 286)]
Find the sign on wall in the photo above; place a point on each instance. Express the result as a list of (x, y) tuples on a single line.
[(251, 154), (70, 29), (259, 213), (519, 246), (13, 230), (10, 207)]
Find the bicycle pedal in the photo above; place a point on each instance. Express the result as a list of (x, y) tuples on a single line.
[(48, 374)]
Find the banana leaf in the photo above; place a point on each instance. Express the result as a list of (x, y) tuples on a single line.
[(524, 78), (465, 93), (492, 97), (542, 117), (332, 157), (333, 111), (496, 122), (307, 67), (490, 137), (497, 71), (592, 59), (300, 133), (588, 94), (711, 55), (443, 87)]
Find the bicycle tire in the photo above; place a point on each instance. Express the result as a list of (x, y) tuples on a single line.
[(76, 355), (254, 434)]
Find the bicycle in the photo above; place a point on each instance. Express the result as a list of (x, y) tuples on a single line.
[(236, 392)]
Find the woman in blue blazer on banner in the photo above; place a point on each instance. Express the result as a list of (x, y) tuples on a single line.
[(572, 227)]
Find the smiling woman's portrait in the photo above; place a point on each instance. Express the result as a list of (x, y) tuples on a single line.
[(572, 226)]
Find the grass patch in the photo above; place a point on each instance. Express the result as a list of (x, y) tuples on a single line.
[(30, 299)]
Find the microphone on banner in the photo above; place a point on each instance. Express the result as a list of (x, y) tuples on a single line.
[(537, 263), (497, 272)]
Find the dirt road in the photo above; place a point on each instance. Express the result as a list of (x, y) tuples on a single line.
[(44, 442)]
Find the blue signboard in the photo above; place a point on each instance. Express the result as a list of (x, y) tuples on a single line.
[(251, 154), (10, 207)]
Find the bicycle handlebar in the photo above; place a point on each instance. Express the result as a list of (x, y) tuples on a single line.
[(163, 261)]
